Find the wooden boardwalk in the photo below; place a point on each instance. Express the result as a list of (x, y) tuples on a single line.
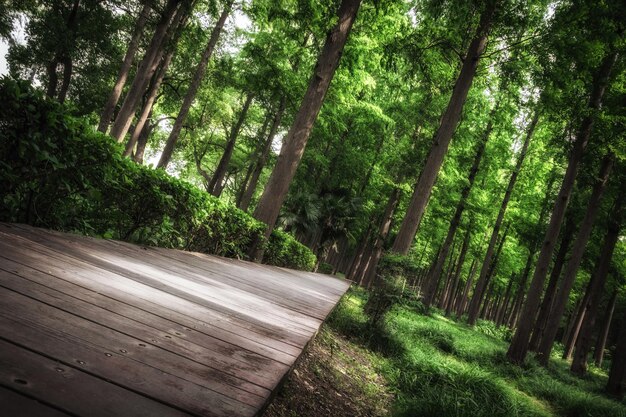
[(92, 327)]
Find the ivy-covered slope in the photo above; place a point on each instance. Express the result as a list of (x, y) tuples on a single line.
[(57, 172)]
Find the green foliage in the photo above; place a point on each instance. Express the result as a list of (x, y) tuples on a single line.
[(284, 250), (56, 172), (397, 266), (390, 288)]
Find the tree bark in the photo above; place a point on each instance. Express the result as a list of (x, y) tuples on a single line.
[(62, 55), (291, 152), (146, 69), (482, 278), (155, 84), (260, 144), (598, 353), (569, 275), (443, 136), (435, 272), (246, 198), (598, 280), (217, 181), (142, 141), (68, 68), (550, 292), (122, 75), (460, 308), (571, 332), (616, 385), (519, 344), (383, 232), (190, 95), (457, 273)]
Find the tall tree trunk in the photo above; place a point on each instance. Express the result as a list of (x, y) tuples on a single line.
[(501, 312), (383, 232), (459, 267), (573, 326), (460, 308), (519, 344), (616, 385), (146, 69), (68, 68), (122, 75), (291, 152), (246, 198), (196, 80), (479, 289), (445, 277), (598, 353), (62, 56), (217, 181), (548, 298), (433, 277), (360, 253), (443, 136), (142, 141), (598, 280), (482, 278), (155, 84), (261, 141), (569, 275), (53, 78), (521, 290)]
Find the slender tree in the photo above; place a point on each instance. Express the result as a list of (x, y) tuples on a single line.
[(196, 80), (216, 185), (598, 281), (295, 142), (482, 278), (616, 385), (550, 292), (251, 185), (569, 274), (146, 70), (433, 277), (598, 354), (519, 344), (122, 75), (443, 136)]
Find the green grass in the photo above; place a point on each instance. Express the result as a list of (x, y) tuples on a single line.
[(439, 367)]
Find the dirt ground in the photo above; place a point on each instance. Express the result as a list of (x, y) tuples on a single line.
[(333, 378)]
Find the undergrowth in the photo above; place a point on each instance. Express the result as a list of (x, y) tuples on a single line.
[(57, 172), (439, 367)]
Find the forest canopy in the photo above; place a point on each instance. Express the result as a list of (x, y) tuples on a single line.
[(470, 153)]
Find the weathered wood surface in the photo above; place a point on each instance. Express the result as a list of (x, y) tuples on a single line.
[(92, 327)]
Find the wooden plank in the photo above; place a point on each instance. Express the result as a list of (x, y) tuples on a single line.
[(26, 309), (70, 269), (258, 371), (180, 325), (130, 259), (219, 298), (17, 405), (267, 281), (209, 271), (70, 389), (191, 333)]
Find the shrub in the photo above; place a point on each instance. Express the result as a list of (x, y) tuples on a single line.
[(283, 250), (57, 172)]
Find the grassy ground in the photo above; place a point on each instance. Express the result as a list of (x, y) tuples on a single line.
[(418, 365)]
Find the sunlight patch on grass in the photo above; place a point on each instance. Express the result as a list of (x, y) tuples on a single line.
[(439, 367)]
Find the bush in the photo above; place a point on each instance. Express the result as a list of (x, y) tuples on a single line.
[(283, 250), (57, 172)]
